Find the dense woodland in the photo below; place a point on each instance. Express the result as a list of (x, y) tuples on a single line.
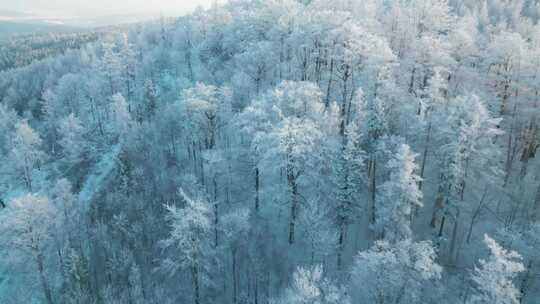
[(21, 50), (280, 151)]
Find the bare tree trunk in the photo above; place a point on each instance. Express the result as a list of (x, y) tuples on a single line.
[(305, 62), (341, 244), (475, 215), (216, 213), (329, 87), (201, 165), (373, 188), (509, 158), (211, 140), (28, 174), (441, 228), (343, 110), (189, 64), (424, 156), (505, 96), (257, 187), (453, 241), (530, 146), (512, 146), (536, 204), (312, 251), (195, 278), (411, 82), (525, 282), (281, 57), (256, 290), (234, 275), (437, 207), (294, 207), (44, 284)]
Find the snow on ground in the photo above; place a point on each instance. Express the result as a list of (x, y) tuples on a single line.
[(97, 176)]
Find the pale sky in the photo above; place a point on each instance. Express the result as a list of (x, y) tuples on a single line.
[(94, 8)]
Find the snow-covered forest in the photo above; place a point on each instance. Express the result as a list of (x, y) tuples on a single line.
[(282, 152), (21, 51)]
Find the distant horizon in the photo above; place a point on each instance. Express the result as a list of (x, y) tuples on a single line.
[(70, 10)]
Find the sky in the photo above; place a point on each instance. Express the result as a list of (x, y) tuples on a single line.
[(61, 9)]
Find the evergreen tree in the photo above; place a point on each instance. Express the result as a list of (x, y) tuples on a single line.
[(399, 196)]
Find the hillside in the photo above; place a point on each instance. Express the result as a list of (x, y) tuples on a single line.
[(9, 29), (325, 152)]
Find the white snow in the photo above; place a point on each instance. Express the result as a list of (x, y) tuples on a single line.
[(97, 176)]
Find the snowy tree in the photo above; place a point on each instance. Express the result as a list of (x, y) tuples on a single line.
[(526, 241), (394, 273), (375, 126), (295, 135), (235, 226), (136, 294), (63, 197), (349, 180), (417, 35), (357, 48), (150, 98), (399, 195), (77, 283), (190, 228), (463, 40), (72, 142), (507, 52), (309, 286), (27, 227), (431, 106), (354, 156), (121, 118), (208, 108), (469, 153), (290, 126), (111, 67), (493, 278), (128, 64), (8, 119), (26, 152), (318, 229), (68, 239), (302, 100), (66, 97), (257, 62), (295, 142), (254, 122)]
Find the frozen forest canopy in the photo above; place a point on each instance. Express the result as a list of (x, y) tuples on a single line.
[(278, 151)]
